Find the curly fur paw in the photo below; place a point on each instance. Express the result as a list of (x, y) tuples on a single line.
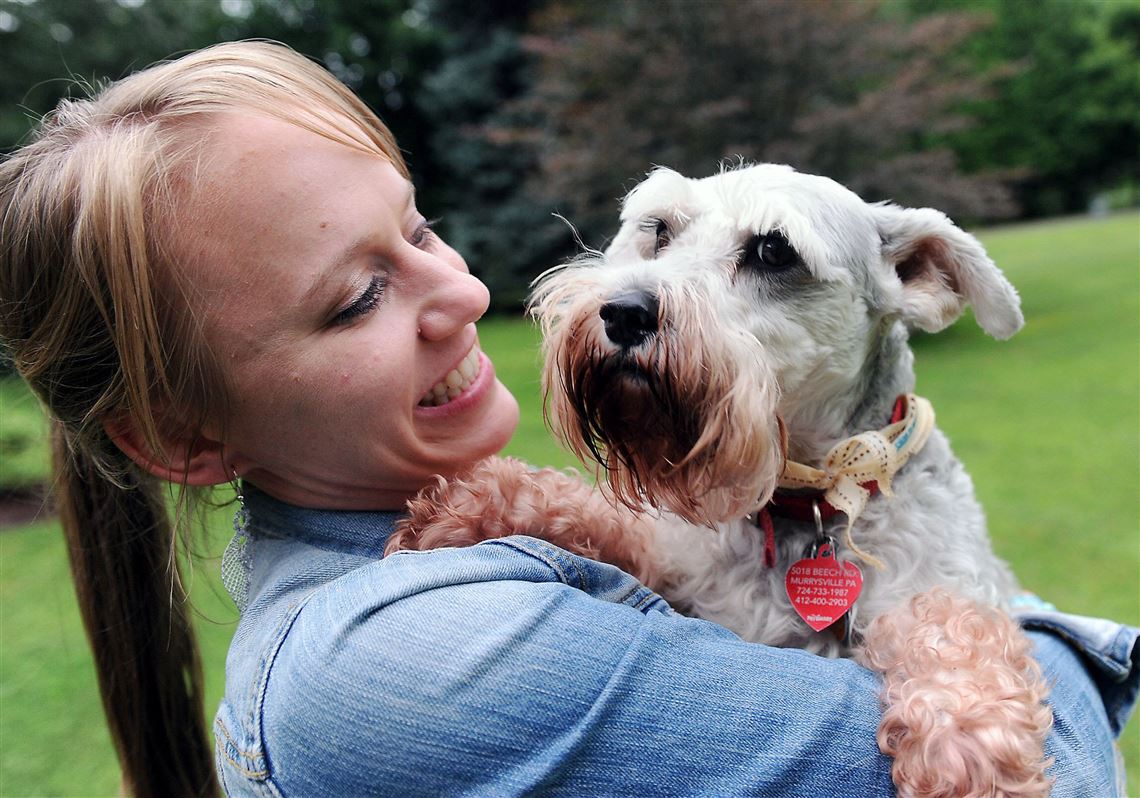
[(505, 496), (963, 701)]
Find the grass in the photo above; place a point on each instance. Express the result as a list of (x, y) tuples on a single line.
[(1047, 423), (25, 450)]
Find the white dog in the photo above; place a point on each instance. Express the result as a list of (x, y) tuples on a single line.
[(736, 363)]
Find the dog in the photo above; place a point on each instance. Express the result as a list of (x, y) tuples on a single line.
[(735, 368)]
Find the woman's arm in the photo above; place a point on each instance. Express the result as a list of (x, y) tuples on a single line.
[(505, 669), (521, 688)]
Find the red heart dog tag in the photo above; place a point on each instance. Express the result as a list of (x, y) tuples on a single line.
[(822, 589)]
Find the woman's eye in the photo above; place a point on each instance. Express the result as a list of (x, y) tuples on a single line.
[(424, 232), (365, 303), (770, 252)]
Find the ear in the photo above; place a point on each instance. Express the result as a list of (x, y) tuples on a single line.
[(193, 460), (941, 268)]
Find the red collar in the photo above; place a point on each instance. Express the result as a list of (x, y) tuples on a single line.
[(798, 505)]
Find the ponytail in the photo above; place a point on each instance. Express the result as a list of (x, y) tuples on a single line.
[(120, 543)]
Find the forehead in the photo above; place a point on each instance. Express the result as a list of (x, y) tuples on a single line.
[(262, 168), (269, 192)]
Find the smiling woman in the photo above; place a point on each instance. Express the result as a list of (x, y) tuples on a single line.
[(344, 298), (237, 251), (215, 269)]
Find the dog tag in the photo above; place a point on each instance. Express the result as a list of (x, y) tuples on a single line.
[(822, 589)]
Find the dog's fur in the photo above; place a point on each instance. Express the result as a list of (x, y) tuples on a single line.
[(742, 363)]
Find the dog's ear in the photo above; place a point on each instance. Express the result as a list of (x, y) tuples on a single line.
[(941, 268)]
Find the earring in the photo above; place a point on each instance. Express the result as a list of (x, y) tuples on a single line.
[(241, 515), (236, 564)]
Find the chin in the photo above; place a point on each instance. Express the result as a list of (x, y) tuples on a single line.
[(484, 437), (501, 422)]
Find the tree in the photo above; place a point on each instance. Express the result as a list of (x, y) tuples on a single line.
[(50, 46), (375, 46), (481, 147), (839, 88), (1064, 117)]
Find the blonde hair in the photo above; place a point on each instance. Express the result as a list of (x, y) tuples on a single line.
[(93, 311)]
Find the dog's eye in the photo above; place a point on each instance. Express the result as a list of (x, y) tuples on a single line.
[(770, 252), (662, 235)]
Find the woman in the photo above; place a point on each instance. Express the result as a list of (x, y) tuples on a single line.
[(216, 269)]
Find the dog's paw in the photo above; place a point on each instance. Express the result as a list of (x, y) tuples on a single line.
[(505, 496), (964, 713)]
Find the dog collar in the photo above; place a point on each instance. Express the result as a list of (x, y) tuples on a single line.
[(854, 470)]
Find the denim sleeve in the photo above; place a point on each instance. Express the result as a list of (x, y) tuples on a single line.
[(1093, 667), (516, 688), (520, 688)]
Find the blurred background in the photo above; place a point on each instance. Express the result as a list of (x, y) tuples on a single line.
[(1019, 118), (513, 109)]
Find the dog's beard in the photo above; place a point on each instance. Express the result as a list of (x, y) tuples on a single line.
[(685, 422)]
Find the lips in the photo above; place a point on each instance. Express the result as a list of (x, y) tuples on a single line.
[(456, 382)]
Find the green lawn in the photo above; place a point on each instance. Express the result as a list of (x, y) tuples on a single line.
[(24, 447), (1048, 424)]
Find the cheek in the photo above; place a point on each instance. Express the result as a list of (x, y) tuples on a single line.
[(273, 402), (823, 342), (275, 388), (370, 385)]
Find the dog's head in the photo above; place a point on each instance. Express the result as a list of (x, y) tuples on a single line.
[(727, 303)]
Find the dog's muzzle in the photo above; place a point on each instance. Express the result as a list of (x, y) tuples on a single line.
[(630, 317), (678, 413)]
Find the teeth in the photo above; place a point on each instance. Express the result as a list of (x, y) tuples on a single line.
[(457, 381)]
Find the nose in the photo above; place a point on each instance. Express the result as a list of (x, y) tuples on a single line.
[(630, 317), (453, 299)]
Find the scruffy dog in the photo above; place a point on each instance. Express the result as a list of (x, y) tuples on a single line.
[(736, 364)]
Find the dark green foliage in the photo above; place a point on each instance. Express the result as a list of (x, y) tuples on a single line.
[(510, 112), (49, 46), (483, 147), (375, 46), (838, 88), (1063, 117)]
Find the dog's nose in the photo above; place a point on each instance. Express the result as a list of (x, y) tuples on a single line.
[(630, 317)]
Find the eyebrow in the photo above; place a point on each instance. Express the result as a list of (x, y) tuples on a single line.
[(349, 254)]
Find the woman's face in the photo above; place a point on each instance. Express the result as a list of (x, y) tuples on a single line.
[(340, 320)]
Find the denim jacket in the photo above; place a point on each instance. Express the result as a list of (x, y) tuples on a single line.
[(516, 668)]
